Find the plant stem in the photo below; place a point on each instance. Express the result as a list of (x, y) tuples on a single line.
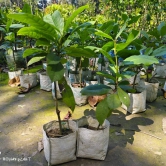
[(57, 110)]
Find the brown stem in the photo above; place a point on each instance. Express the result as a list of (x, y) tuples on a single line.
[(57, 110)]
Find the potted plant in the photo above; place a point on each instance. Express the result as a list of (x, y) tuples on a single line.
[(52, 33), (13, 47), (114, 97)]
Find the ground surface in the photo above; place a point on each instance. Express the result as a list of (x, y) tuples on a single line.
[(22, 118)]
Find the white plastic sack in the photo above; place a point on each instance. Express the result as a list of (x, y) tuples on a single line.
[(137, 102), (79, 98), (160, 70), (45, 82), (59, 150), (131, 79), (28, 80), (13, 74), (151, 91), (92, 144), (59, 96)]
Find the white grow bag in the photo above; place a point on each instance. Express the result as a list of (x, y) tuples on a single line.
[(45, 82), (59, 150), (28, 80), (79, 98), (151, 91), (160, 70), (137, 102), (13, 74), (92, 144)]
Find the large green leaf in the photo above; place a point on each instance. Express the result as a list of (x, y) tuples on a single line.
[(113, 101), (162, 29), (56, 20), (52, 59), (108, 46), (33, 32), (55, 72), (100, 33), (123, 96), (42, 42), (102, 111), (2, 29), (34, 21), (35, 59), (126, 53), (106, 75), (93, 90), (16, 26), (120, 31), (83, 25), (31, 51), (134, 19), (159, 51), (132, 36), (68, 97), (141, 59), (108, 56), (72, 17), (80, 52), (26, 8)]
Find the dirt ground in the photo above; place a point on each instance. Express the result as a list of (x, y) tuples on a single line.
[(140, 141)]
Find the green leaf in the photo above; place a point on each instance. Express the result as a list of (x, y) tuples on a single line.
[(108, 56), (34, 21), (128, 74), (68, 97), (2, 29), (26, 8), (159, 51), (127, 53), (16, 26), (121, 30), (113, 101), (80, 52), (100, 33), (102, 111), (55, 72), (145, 34), (125, 17), (72, 17), (132, 36), (52, 59), (141, 59), (93, 90), (56, 20), (148, 51), (162, 29), (42, 42), (33, 32), (34, 60), (123, 96), (108, 46), (106, 75), (31, 51), (134, 19)]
